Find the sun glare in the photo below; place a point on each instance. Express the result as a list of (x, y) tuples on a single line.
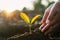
[(7, 14), (10, 5)]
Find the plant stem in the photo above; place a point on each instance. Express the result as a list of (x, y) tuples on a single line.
[(30, 30)]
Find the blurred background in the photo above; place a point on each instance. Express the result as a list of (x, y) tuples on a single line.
[(10, 10), (10, 21)]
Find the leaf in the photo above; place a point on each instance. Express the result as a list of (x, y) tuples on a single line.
[(25, 17), (34, 19)]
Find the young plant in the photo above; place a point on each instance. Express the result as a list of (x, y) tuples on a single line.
[(26, 18)]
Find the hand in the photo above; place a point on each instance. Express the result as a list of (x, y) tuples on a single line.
[(53, 17)]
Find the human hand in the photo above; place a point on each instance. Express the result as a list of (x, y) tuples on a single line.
[(54, 20)]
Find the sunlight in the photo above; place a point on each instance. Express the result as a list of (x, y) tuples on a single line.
[(7, 14), (11, 5)]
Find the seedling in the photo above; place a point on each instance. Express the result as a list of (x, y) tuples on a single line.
[(26, 18)]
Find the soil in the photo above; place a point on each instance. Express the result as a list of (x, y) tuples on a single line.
[(36, 35)]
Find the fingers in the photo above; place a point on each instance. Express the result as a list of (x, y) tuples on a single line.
[(45, 28), (46, 14), (40, 28), (52, 25)]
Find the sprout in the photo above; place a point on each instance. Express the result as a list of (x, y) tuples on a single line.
[(26, 18)]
